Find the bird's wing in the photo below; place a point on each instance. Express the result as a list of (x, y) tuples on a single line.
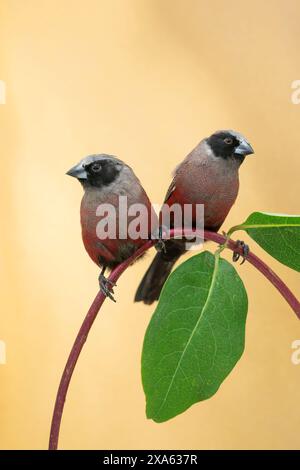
[(171, 189)]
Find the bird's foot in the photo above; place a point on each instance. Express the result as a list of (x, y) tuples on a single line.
[(245, 248), (106, 287)]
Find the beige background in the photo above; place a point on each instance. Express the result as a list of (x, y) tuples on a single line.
[(145, 80)]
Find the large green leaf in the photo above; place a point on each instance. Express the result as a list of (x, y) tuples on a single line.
[(195, 336), (278, 234)]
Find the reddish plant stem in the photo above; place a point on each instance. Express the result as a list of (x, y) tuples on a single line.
[(78, 345), (99, 299), (263, 268)]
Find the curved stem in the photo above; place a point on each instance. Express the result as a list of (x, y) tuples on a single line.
[(262, 267), (99, 299), (78, 345)]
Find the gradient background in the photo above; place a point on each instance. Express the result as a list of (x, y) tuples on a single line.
[(145, 80)]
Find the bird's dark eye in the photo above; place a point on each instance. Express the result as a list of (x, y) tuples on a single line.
[(96, 167), (228, 140)]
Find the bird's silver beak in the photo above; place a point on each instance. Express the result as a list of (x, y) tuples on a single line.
[(244, 149), (78, 172)]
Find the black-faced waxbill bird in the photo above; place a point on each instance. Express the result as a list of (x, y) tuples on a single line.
[(209, 175), (105, 179)]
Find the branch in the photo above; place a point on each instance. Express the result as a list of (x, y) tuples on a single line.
[(100, 297)]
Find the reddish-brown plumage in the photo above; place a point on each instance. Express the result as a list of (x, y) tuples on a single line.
[(110, 251), (113, 195), (203, 179), (208, 176)]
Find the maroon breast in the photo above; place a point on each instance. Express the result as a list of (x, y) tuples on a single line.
[(112, 250), (210, 185)]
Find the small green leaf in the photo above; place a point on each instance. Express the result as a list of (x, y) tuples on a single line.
[(278, 234), (195, 336)]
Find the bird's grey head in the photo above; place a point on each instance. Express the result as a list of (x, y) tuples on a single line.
[(97, 171), (229, 144)]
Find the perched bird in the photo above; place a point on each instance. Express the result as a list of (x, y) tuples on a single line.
[(105, 179), (209, 175)]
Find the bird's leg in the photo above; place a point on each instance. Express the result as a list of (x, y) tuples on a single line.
[(236, 256), (160, 245), (106, 286)]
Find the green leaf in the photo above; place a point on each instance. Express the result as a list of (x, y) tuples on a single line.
[(278, 234), (195, 336)]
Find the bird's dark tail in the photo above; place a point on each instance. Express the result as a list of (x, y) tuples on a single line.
[(157, 273)]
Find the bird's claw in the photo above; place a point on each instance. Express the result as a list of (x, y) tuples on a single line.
[(245, 248), (106, 287)]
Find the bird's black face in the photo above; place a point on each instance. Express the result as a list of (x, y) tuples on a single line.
[(228, 144), (101, 173), (96, 170)]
